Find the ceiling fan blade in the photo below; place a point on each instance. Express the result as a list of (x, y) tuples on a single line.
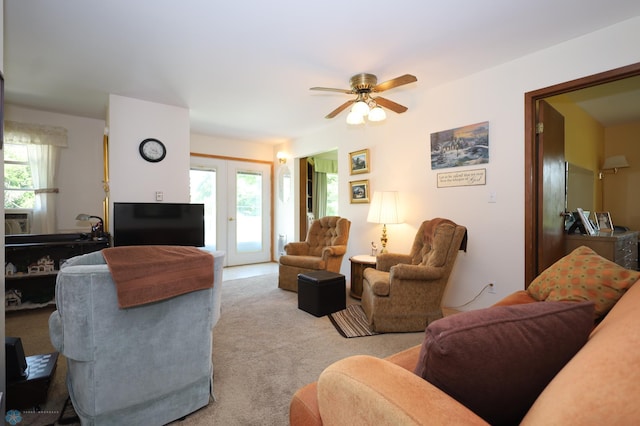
[(398, 81), (340, 109), (390, 104), (329, 89)]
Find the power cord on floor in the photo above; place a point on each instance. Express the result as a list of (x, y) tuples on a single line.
[(472, 300)]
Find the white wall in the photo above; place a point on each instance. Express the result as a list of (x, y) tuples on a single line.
[(134, 179), (400, 159), (80, 171), (233, 148)]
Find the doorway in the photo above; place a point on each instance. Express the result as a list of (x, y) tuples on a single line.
[(533, 189), (318, 188), (237, 199)]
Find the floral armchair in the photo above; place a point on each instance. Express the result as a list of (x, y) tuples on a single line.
[(323, 249), (404, 292)]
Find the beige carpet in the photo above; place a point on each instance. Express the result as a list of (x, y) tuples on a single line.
[(264, 349)]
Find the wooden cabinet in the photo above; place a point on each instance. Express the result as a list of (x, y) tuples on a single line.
[(32, 264), (619, 247), (306, 196)]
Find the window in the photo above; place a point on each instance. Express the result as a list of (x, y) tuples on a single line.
[(332, 194), (18, 183), (31, 157)]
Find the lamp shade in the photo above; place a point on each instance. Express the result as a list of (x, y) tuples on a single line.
[(355, 118), (385, 208), (86, 217), (377, 114), (361, 108), (615, 162)]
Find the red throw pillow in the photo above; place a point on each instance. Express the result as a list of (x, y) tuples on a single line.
[(496, 361)]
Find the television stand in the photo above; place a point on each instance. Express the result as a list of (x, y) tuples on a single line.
[(32, 262)]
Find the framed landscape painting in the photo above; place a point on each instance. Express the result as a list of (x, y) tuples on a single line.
[(359, 161), (462, 146), (359, 191)]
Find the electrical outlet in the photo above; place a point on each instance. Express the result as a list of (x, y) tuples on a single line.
[(159, 196), (492, 288)]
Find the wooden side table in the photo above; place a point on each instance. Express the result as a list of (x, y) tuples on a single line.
[(358, 264)]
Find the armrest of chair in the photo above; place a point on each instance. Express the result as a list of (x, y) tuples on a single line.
[(367, 390), (385, 261), (297, 248), (333, 251), (415, 272), (55, 331)]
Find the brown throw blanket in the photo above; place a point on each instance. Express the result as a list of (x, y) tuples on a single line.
[(431, 226), (145, 274)]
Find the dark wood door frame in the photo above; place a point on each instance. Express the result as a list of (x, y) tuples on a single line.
[(531, 188)]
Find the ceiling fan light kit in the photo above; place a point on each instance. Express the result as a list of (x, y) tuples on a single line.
[(377, 114), (354, 118), (361, 108), (364, 105)]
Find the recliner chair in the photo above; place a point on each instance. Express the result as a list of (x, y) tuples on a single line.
[(148, 364), (404, 292), (323, 249)]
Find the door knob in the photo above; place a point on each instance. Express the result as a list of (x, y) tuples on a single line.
[(230, 219)]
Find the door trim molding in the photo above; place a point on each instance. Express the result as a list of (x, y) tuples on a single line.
[(530, 160)]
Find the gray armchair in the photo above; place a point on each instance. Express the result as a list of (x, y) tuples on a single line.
[(148, 364), (404, 292)]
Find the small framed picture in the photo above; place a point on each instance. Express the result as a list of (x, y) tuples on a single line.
[(359, 161), (603, 220), (359, 191), (588, 227)]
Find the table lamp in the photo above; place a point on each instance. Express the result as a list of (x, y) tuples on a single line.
[(384, 209), (97, 230)]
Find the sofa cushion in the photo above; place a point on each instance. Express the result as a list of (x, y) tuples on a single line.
[(496, 361), (584, 275)]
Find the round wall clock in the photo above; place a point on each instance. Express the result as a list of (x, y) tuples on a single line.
[(152, 150)]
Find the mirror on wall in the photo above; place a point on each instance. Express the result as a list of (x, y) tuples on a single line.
[(579, 191), (579, 188)]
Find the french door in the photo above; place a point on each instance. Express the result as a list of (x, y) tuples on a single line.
[(237, 198)]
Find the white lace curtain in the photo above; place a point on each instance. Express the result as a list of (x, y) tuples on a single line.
[(44, 143)]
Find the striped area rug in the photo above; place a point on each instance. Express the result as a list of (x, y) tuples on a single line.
[(351, 322)]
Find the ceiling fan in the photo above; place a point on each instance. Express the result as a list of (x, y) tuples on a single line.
[(363, 85)]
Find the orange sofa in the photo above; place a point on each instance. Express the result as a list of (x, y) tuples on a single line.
[(599, 385)]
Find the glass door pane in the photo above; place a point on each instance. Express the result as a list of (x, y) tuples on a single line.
[(249, 212), (203, 190)]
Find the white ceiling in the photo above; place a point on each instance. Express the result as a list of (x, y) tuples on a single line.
[(244, 68)]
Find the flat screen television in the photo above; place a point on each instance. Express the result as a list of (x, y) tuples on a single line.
[(179, 224)]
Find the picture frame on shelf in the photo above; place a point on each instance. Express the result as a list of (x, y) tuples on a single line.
[(359, 190), (586, 223), (603, 221), (359, 162)]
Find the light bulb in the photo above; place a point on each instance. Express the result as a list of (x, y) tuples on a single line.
[(355, 118), (361, 108), (377, 114)]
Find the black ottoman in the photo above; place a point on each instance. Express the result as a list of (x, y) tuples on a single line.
[(321, 292)]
